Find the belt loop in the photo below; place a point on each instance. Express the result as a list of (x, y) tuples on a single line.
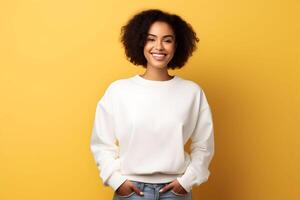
[(142, 185)]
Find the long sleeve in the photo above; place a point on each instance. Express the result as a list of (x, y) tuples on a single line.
[(202, 147), (103, 143)]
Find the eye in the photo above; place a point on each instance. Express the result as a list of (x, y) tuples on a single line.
[(150, 39), (168, 41)]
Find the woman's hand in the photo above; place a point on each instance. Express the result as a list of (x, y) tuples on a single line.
[(175, 186), (126, 188)]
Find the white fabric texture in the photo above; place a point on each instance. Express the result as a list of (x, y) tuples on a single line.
[(141, 127)]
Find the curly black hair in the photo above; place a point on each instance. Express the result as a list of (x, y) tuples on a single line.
[(134, 35)]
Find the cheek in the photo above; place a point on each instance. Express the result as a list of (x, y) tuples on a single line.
[(146, 52), (170, 48), (147, 48)]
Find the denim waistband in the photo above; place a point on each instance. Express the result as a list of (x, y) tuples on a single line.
[(141, 185)]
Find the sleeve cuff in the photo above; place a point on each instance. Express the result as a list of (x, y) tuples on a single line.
[(188, 179), (185, 183), (116, 180)]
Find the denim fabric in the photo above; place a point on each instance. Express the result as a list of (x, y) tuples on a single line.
[(151, 192)]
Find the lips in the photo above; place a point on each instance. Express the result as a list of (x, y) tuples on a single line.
[(158, 56)]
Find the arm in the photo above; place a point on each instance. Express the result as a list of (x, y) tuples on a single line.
[(103, 143), (202, 147)]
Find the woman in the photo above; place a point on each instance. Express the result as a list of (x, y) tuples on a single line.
[(153, 115)]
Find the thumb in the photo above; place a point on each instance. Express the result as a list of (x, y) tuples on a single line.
[(166, 188), (136, 190)]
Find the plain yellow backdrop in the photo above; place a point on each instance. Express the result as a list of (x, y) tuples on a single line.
[(58, 57)]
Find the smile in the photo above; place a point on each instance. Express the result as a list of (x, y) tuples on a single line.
[(158, 56)]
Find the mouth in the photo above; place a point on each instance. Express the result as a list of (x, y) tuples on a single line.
[(159, 56)]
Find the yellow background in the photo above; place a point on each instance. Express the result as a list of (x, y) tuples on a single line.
[(58, 56)]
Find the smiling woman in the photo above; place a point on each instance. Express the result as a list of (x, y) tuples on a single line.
[(152, 116), (160, 28), (160, 45)]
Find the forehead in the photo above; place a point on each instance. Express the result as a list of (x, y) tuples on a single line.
[(159, 28)]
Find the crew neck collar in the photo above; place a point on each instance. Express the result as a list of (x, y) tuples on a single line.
[(149, 82)]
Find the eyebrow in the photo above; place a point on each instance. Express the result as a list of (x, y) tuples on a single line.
[(163, 36)]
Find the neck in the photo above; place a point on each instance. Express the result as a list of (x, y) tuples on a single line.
[(156, 74)]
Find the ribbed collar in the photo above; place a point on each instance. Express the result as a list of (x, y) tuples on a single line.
[(137, 78)]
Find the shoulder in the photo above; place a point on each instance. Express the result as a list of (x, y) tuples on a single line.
[(118, 83), (197, 91), (117, 86), (191, 85)]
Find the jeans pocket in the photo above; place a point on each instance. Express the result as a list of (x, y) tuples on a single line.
[(136, 183), (177, 194), (125, 196)]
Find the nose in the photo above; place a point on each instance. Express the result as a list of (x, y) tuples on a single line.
[(158, 45)]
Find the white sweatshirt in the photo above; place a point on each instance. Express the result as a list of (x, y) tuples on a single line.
[(151, 121)]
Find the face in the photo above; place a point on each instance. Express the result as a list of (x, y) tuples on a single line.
[(160, 45)]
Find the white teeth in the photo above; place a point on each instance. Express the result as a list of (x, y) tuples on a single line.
[(158, 55)]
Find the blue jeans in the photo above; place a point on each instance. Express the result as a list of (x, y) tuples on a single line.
[(151, 192)]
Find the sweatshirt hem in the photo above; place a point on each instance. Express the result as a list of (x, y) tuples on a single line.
[(153, 178)]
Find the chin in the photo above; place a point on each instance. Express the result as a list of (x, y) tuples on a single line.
[(157, 64), (160, 66)]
